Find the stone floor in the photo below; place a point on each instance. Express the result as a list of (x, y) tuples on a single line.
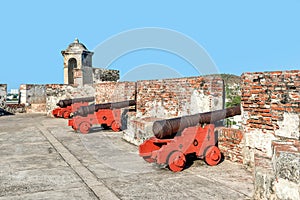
[(43, 158)]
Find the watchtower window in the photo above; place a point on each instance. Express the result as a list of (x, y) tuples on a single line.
[(72, 64)]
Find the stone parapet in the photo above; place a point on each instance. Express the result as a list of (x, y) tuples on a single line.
[(114, 91), (271, 123), (177, 97), (168, 98)]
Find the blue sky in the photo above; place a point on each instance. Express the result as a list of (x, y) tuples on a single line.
[(238, 36)]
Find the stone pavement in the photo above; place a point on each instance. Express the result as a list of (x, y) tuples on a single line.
[(43, 158)]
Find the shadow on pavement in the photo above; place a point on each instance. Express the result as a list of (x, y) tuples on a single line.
[(191, 158), (4, 112)]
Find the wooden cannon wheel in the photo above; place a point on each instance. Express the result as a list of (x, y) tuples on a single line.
[(115, 126), (212, 155), (84, 127), (176, 161)]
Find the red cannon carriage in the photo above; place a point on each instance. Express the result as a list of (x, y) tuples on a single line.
[(106, 115), (179, 137), (68, 106)]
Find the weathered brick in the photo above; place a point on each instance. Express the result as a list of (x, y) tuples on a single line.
[(278, 93)]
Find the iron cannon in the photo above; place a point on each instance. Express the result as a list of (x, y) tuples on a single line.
[(106, 114), (67, 102), (168, 128), (68, 106), (175, 139), (84, 111)]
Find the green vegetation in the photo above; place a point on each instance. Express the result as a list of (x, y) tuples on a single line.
[(232, 96)]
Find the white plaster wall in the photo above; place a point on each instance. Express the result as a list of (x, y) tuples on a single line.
[(285, 189), (256, 139), (289, 126), (199, 102)]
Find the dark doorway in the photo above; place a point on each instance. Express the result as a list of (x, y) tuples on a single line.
[(72, 64)]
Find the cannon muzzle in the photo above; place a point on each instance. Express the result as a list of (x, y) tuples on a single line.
[(85, 110), (168, 128), (67, 102)]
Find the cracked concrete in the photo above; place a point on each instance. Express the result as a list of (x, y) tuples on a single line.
[(43, 158)]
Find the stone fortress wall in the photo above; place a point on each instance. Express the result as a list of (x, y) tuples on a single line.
[(271, 124), (160, 99), (156, 99), (268, 142)]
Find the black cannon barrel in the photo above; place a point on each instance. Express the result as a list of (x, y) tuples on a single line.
[(67, 102), (84, 110), (168, 128)]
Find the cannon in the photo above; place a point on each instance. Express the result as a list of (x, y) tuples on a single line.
[(175, 139), (68, 106), (84, 111), (106, 114)]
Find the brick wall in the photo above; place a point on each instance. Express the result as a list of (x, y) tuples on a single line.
[(271, 122), (114, 91), (230, 142), (176, 97), (160, 99), (103, 92), (3, 93)]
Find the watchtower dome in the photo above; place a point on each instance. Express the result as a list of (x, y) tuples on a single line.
[(77, 64)]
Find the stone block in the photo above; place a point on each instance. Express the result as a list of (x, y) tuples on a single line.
[(264, 180), (289, 126), (286, 190), (257, 139), (286, 160), (139, 129)]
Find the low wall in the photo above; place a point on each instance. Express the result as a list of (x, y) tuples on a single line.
[(15, 108), (176, 97), (56, 92), (34, 97), (103, 92), (271, 122), (231, 143), (3, 94), (160, 99)]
